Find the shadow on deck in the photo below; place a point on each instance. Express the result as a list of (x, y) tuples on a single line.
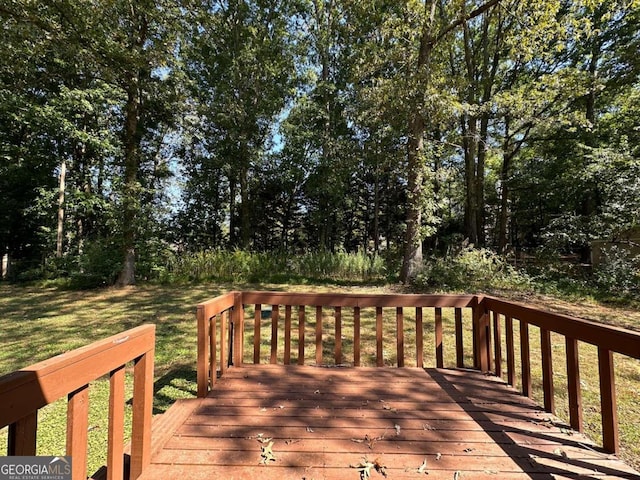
[(304, 422)]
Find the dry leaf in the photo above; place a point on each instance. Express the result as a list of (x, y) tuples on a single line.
[(426, 426), (438, 456), (560, 453), (267, 453), (468, 450), (457, 475), (423, 468), (309, 429), (397, 427)]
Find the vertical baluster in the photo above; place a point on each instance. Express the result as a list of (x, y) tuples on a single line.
[(275, 313), (497, 334), (608, 404), (400, 336), (379, 352), (338, 335), (547, 370), (77, 426), (287, 334), (356, 336), (22, 436), (525, 359), (257, 334), (142, 410), (223, 343), (319, 335), (511, 355), (213, 356), (301, 327), (115, 439), (419, 339), (573, 384), (459, 339), (438, 332)]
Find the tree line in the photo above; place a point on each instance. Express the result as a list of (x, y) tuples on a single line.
[(130, 131)]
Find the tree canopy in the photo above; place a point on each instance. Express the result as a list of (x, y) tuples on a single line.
[(132, 131)]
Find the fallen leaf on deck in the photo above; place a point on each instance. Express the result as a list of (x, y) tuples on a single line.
[(468, 450), (426, 426), (397, 427), (456, 475), (292, 441), (309, 429), (364, 468), (560, 453), (267, 453), (438, 456), (423, 468)]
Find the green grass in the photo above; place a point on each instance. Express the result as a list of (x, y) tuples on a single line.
[(38, 323)]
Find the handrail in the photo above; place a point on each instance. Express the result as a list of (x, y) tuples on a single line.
[(24, 392), (487, 341)]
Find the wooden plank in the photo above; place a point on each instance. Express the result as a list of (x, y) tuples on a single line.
[(202, 361), (525, 359), (213, 356), (573, 384), (511, 355), (356, 336), (319, 335), (23, 435), (608, 403), (547, 370), (399, 336), (287, 334), (379, 351), (419, 339), (257, 335), (362, 300), (497, 343), (115, 435), (338, 335), (142, 413), (301, 326), (29, 389), (224, 336), (77, 425), (459, 339), (275, 313), (238, 329), (438, 334)]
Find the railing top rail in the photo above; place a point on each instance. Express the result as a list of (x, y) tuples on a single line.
[(612, 338), (220, 303), (33, 387), (358, 299)]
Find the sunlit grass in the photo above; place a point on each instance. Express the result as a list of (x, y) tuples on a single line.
[(37, 323)]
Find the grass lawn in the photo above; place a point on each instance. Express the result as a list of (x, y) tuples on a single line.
[(37, 323)]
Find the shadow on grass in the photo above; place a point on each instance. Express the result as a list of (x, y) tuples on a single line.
[(179, 382)]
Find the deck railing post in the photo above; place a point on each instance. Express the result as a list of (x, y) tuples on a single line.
[(238, 329), (482, 341), (22, 436), (203, 346), (142, 414), (609, 409)]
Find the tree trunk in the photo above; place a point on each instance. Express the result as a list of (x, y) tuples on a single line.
[(469, 142), (61, 192), (412, 259), (130, 194)]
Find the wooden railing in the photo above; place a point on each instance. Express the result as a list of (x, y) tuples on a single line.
[(221, 328), (607, 339), (24, 392)]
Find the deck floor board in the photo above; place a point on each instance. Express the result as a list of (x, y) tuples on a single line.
[(324, 422)]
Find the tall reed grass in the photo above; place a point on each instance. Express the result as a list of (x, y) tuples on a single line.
[(243, 266)]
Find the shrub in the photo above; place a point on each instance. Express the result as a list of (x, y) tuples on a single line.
[(470, 269), (619, 272)]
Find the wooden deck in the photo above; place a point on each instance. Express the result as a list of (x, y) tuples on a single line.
[(303, 422)]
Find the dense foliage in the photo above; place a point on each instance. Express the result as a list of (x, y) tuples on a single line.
[(143, 139)]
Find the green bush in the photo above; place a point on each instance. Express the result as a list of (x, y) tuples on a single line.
[(619, 272), (470, 269), (99, 264)]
